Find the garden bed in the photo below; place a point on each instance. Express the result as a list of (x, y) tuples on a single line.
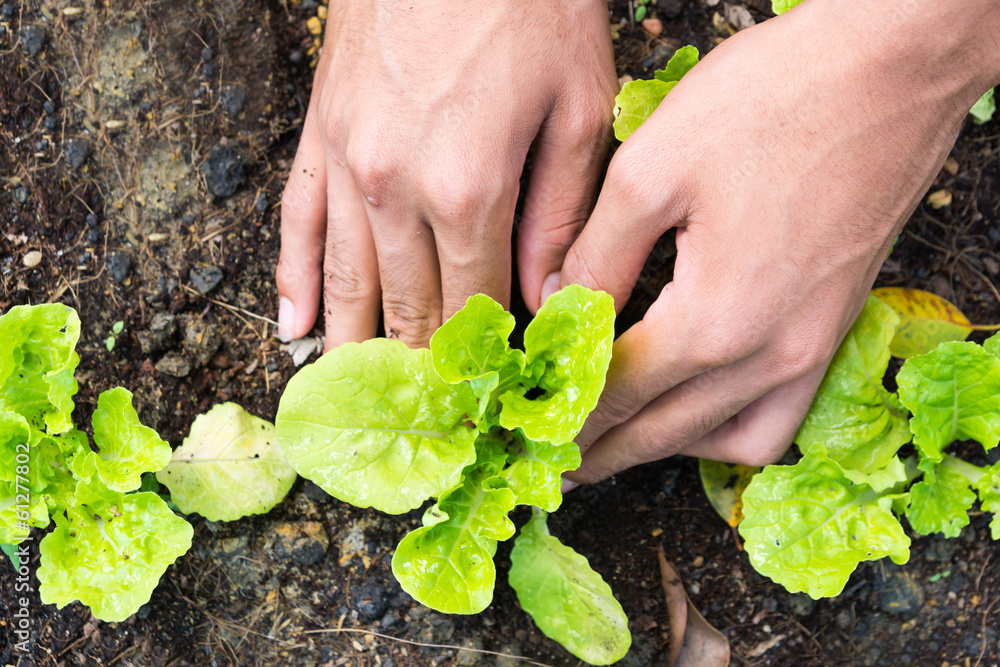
[(106, 205)]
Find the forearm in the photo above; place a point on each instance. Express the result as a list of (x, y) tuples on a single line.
[(943, 51)]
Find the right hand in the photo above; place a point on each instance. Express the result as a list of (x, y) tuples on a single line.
[(403, 188)]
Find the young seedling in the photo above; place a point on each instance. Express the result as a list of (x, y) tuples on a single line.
[(116, 329), (481, 428)]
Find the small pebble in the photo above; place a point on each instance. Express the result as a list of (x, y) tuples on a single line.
[(32, 258), (295, 56), (315, 26), (233, 98), (653, 26), (939, 199), (76, 152), (91, 219), (92, 236), (206, 54), (49, 107), (7, 10), (51, 123), (84, 258), (262, 203), (208, 70), (33, 38), (119, 264)]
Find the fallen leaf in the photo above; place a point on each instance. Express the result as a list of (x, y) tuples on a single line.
[(766, 646), (724, 484), (693, 640), (925, 320), (301, 348)]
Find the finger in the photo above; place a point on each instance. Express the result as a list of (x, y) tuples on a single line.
[(303, 229), (761, 432), (687, 413), (657, 353), (409, 273), (569, 154), (351, 291), (633, 210)]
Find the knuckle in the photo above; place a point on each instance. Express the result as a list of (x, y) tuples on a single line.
[(409, 320), (290, 273), (372, 168), (344, 282), (458, 193)]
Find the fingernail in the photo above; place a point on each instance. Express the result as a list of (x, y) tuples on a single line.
[(568, 486), (550, 285), (286, 318)]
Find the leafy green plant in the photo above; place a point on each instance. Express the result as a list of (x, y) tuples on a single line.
[(481, 427), (638, 99), (111, 542), (114, 534), (116, 329), (640, 9), (808, 525)]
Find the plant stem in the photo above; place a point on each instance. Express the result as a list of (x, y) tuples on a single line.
[(971, 472)]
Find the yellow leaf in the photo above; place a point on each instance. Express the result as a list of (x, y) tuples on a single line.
[(724, 484), (925, 320)]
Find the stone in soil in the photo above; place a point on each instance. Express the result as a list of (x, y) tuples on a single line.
[(32, 258), (224, 170), (174, 365), (369, 600), (76, 151), (33, 38), (304, 542), (158, 336), (119, 264), (201, 339), (899, 593), (233, 99), (670, 8), (205, 278)]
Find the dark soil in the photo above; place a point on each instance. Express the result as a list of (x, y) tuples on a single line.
[(172, 208)]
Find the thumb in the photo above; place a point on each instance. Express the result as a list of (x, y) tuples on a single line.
[(565, 167), (632, 212)]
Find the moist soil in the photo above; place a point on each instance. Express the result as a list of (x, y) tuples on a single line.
[(143, 150)]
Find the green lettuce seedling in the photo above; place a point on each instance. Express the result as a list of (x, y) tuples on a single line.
[(638, 99), (807, 526), (111, 542), (481, 428)]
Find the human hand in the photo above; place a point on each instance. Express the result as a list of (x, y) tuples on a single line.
[(407, 173), (788, 161)]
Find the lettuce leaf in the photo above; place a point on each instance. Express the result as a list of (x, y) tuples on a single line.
[(954, 394), (448, 565), (568, 600), (808, 526), (988, 488), (782, 6), (682, 62), (535, 472), (374, 425), (110, 550), (37, 363), (983, 110), (46, 476), (853, 417), (229, 466), (941, 502), (472, 345), (638, 99), (127, 448), (567, 349)]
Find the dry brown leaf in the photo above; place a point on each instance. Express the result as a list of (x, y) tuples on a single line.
[(693, 640)]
